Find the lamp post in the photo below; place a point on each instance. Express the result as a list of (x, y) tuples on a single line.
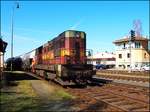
[(16, 5)]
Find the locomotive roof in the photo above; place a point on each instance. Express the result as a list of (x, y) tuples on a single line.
[(71, 31), (59, 36), (55, 38)]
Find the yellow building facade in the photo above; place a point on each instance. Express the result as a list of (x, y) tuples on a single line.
[(131, 54)]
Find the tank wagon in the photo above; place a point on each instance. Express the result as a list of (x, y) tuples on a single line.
[(62, 59), (16, 63)]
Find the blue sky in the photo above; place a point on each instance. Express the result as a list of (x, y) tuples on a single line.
[(36, 22)]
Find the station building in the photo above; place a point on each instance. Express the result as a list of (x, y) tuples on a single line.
[(106, 58), (136, 55)]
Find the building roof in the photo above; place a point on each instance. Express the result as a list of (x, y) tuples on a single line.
[(127, 39)]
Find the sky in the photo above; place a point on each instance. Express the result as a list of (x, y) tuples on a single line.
[(37, 22)]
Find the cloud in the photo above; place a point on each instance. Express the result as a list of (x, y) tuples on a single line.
[(77, 24)]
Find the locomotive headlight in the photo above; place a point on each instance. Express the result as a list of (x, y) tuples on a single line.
[(77, 35)]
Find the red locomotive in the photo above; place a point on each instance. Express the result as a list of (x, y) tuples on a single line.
[(62, 59)]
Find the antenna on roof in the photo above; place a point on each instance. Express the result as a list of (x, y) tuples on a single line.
[(137, 26)]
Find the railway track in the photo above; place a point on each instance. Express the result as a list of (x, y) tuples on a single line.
[(109, 97), (124, 77), (112, 97), (123, 72)]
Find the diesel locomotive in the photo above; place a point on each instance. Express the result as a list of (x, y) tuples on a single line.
[(62, 59)]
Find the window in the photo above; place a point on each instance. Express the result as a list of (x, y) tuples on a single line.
[(137, 44), (120, 55), (124, 45), (128, 66), (128, 55), (120, 65), (144, 55)]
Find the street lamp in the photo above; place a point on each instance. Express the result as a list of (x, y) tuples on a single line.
[(16, 5)]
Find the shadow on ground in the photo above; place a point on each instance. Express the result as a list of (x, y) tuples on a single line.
[(9, 78), (97, 107), (15, 76)]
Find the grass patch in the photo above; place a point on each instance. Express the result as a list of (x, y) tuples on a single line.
[(61, 94), (25, 87), (19, 98)]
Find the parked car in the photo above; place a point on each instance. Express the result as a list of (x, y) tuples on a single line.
[(136, 68), (100, 66), (146, 67)]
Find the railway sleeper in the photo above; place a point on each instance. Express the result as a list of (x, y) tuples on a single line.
[(127, 106), (98, 95), (141, 109), (116, 106), (114, 100), (104, 97), (123, 103), (138, 106)]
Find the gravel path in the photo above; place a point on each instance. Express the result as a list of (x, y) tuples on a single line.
[(50, 103), (42, 89)]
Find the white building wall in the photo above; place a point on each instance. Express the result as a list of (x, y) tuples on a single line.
[(102, 58), (1, 59), (139, 56)]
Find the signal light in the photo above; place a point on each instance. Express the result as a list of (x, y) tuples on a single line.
[(132, 34)]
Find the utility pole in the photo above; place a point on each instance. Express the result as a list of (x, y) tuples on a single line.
[(16, 5), (132, 37)]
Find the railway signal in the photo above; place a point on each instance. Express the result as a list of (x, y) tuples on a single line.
[(132, 35)]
